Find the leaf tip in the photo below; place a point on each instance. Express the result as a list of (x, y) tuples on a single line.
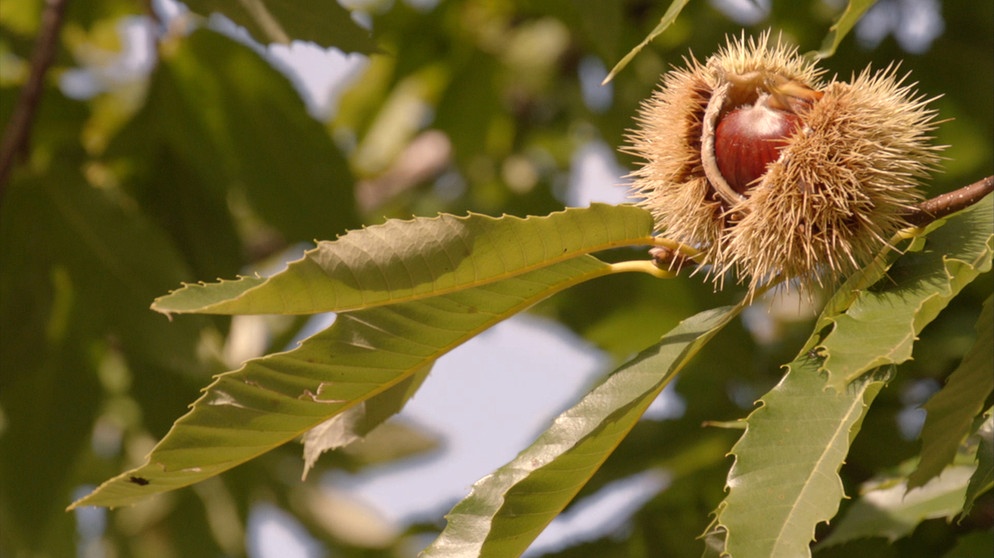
[(156, 308)]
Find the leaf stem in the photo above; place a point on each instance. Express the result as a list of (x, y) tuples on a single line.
[(643, 266), (17, 134)]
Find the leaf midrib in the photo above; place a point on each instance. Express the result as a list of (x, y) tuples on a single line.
[(844, 425), (415, 296)]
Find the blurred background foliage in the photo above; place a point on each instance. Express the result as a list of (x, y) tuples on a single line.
[(180, 154)]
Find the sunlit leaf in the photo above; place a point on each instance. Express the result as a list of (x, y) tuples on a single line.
[(282, 21), (274, 399), (408, 260), (853, 12), (890, 509), (507, 509), (881, 324), (668, 18), (952, 410), (785, 477)]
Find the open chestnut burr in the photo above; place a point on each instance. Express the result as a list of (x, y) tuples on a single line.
[(769, 171)]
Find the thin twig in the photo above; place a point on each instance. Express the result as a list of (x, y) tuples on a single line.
[(16, 136), (951, 202)]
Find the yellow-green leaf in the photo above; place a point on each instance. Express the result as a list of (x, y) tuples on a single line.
[(881, 324), (854, 10), (274, 399), (400, 261), (785, 477), (507, 509)]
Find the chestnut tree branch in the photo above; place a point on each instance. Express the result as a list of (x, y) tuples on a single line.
[(951, 202), (16, 136)]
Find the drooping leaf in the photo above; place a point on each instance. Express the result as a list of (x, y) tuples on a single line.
[(853, 12), (952, 410), (668, 18), (282, 21), (358, 421), (983, 478), (881, 324), (409, 260), (274, 399), (890, 509), (785, 477), (507, 509)]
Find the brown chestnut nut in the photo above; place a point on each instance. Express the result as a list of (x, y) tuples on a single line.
[(748, 139)]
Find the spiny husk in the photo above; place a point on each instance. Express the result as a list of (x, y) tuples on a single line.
[(825, 207), (841, 187), (669, 139)]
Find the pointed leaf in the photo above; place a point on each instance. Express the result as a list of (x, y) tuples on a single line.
[(983, 478), (506, 510), (890, 509), (785, 477), (358, 421), (952, 410), (282, 21), (409, 260), (854, 10), (668, 18), (274, 399), (883, 321)]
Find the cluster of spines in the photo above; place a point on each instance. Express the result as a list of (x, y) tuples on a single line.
[(838, 191)]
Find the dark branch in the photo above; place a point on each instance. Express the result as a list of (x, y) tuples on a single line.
[(16, 137), (946, 204)]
